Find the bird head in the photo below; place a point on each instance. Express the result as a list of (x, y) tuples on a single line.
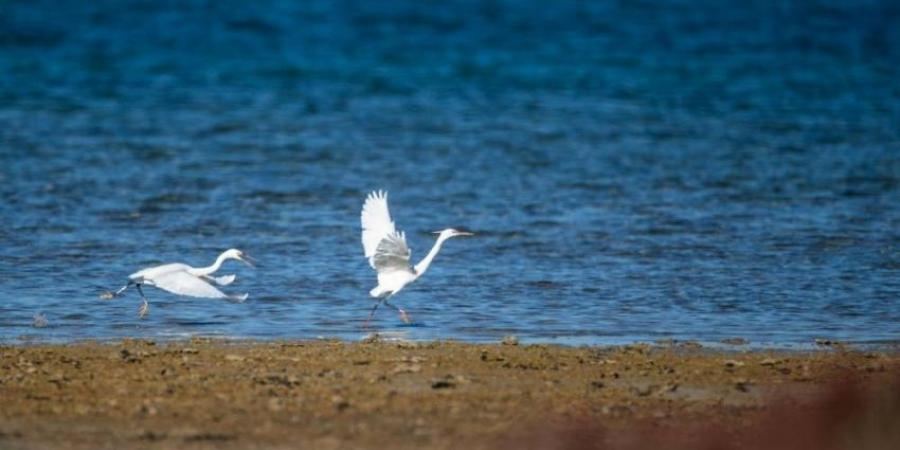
[(452, 232), (240, 256)]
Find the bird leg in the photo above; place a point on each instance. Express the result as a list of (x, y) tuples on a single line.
[(403, 316), (144, 309), (111, 295), (145, 305), (371, 314), (121, 290)]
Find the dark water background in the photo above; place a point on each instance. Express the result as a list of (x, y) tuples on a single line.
[(634, 170)]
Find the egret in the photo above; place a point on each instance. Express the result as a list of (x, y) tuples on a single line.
[(388, 254), (183, 279)]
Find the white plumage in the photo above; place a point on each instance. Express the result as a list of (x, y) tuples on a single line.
[(388, 253), (376, 223), (182, 279), (177, 279)]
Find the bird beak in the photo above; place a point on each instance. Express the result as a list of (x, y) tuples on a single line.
[(435, 232), (464, 233), (246, 259)]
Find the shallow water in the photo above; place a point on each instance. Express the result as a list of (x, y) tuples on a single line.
[(634, 172)]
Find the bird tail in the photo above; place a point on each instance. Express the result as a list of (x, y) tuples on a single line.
[(238, 298), (378, 292)]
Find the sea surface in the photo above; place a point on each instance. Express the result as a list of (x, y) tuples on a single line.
[(634, 171)]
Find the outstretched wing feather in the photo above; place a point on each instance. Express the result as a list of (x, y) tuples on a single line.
[(376, 223), (183, 283), (392, 253)]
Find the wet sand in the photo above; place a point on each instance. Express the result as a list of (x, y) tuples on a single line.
[(322, 394)]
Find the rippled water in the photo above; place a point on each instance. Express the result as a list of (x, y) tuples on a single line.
[(690, 170)]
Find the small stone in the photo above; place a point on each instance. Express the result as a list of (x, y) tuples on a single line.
[(339, 402), (277, 379), (407, 368), (732, 363), (462, 379), (234, 358), (803, 374), (510, 340), (410, 359), (597, 384), (128, 356), (645, 390), (150, 435), (442, 384), (874, 367), (148, 410), (275, 404), (371, 338), (639, 348), (768, 362)]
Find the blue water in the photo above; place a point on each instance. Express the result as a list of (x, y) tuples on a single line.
[(634, 171)]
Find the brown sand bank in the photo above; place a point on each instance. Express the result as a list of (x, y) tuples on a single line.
[(213, 394)]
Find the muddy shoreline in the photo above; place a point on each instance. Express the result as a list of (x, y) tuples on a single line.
[(323, 394)]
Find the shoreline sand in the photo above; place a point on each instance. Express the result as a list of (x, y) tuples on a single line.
[(328, 394)]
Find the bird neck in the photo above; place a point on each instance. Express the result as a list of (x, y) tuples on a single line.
[(422, 266), (214, 267)]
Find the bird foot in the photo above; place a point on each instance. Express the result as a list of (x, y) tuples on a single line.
[(107, 295), (145, 308), (404, 316)]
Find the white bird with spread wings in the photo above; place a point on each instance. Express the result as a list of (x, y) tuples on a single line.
[(183, 279), (388, 254)]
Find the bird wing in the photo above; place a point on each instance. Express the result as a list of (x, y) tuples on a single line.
[(183, 283), (224, 280), (392, 254), (376, 224)]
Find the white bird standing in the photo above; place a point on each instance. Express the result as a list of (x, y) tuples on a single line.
[(388, 254), (183, 279)]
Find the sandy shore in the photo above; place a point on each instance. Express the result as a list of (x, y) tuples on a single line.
[(213, 394)]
